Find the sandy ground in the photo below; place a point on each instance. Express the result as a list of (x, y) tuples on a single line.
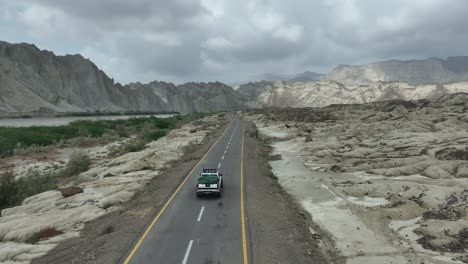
[(106, 187), (386, 181)]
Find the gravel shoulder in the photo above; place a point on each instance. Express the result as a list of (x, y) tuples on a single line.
[(109, 237), (280, 230)]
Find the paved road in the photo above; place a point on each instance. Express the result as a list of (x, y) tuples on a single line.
[(202, 230)]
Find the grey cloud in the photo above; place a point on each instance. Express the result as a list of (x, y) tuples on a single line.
[(147, 39)]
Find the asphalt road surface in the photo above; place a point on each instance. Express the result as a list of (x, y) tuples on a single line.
[(207, 230)]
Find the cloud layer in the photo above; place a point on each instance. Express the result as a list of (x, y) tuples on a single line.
[(206, 40)]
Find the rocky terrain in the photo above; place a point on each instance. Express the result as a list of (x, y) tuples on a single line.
[(322, 93), (33, 80), (415, 72), (44, 220), (385, 182)]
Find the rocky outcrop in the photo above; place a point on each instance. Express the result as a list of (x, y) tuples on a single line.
[(415, 72), (194, 97), (70, 191), (323, 93), (31, 79), (402, 164)]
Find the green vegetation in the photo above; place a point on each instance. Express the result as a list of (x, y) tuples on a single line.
[(24, 140), (13, 192), (131, 146), (83, 131), (78, 162), (103, 113)]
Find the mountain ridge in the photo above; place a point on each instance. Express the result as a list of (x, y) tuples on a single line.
[(34, 80)]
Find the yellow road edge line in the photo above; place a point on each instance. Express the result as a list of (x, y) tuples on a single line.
[(138, 244), (244, 240)]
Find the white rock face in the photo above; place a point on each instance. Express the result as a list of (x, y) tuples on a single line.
[(105, 186), (433, 70), (323, 93)]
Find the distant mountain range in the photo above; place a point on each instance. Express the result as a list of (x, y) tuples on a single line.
[(37, 81)]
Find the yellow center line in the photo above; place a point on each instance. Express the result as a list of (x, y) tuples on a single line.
[(138, 244), (244, 240)]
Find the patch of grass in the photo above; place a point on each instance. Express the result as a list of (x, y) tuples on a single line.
[(13, 192), (11, 137)]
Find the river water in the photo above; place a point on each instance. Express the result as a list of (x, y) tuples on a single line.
[(59, 121)]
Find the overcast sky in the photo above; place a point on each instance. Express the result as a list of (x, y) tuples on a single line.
[(230, 41)]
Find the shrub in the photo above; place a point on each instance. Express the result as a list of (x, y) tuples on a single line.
[(8, 190), (254, 132), (122, 131), (79, 162), (154, 135), (35, 182), (108, 137), (131, 146), (13, 192), (163, 123), (134, 146)]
